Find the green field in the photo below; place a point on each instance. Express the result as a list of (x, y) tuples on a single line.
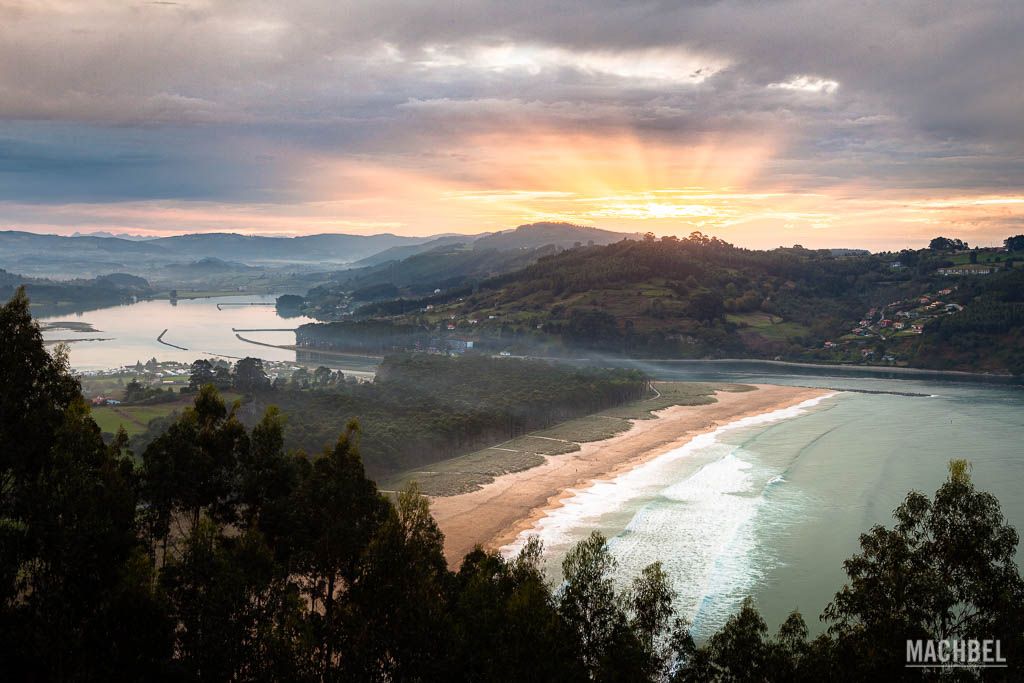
[(768, 326), (135, 419), (994, 258)]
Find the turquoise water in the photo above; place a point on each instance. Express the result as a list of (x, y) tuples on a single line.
[(770, 508)]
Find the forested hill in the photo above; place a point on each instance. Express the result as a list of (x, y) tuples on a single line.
[(52, 297), (446, 263), (702, 297)]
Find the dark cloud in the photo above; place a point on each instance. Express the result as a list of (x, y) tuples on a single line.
[(211, 100)]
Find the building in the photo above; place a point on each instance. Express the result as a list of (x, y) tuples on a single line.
[(458, 345), (965, 270)]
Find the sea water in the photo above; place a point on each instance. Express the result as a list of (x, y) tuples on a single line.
[(770, 506)]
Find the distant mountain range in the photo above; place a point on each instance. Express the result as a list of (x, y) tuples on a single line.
[(120, 235), (89, 255)]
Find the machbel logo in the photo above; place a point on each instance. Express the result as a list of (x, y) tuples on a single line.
[(955, 654)]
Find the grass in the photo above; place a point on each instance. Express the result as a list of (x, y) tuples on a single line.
[(472, 471), (135, 419), (465, 473), (768, 326), (984, 257), (542, 445), (589, 428)]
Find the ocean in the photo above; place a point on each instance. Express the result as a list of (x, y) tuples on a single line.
[(771, 506)]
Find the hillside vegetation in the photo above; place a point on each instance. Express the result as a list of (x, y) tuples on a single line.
[(701, 297)]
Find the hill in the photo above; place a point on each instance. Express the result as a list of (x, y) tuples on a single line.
[(563, 235), (51, 297), (403, 252), (88, 255), (252, 249), (701, 297), (450, 265)]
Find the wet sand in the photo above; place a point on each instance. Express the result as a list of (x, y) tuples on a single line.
[(495, 515)]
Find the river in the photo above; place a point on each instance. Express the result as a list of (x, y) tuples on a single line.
[(203, 328)]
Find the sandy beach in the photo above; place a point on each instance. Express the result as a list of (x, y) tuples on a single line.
[(494, 515)]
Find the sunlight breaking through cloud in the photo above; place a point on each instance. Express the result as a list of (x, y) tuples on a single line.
[(808, 84)]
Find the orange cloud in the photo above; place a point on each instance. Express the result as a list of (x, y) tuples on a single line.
[(617, 180)]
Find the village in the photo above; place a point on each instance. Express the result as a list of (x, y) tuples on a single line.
[(892, 322)]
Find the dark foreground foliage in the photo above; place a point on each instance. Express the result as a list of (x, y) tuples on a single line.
[(219, 556)]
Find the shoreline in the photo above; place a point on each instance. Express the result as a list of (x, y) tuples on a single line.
[(496, 514), (842, 368)]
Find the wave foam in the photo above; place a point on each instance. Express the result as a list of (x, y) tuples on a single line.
[(691, 508)]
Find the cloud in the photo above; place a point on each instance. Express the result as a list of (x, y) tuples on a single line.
[(263, 102)]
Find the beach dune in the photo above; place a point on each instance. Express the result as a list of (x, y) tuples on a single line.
[(496, 514)]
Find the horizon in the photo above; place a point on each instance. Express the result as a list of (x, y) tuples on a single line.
[(789, 124), (141, 237)]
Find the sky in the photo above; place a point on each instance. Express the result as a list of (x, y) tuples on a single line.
[(832, 123)]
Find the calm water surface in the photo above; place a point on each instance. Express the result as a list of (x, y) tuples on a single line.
[(195, 324)]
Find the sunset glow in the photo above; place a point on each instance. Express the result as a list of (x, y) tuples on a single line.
[(261, 124)]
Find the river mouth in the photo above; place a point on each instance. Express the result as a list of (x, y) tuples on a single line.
[(772, 510)]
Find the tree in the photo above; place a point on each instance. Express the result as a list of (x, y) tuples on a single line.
[(947, 244), (322, 376), (506, 625), (289, 305), (743, 651), (134, 391), (663, 636), (1015, 243), (340, 512), (587, 599), (250, 376), (201, 374), (237, 617), (398, 625), (946, 570), (300, 378), (71, 568), (222, 378), (192, 467), (707, 306)]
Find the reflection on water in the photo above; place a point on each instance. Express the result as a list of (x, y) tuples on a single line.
[(201, 326)]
